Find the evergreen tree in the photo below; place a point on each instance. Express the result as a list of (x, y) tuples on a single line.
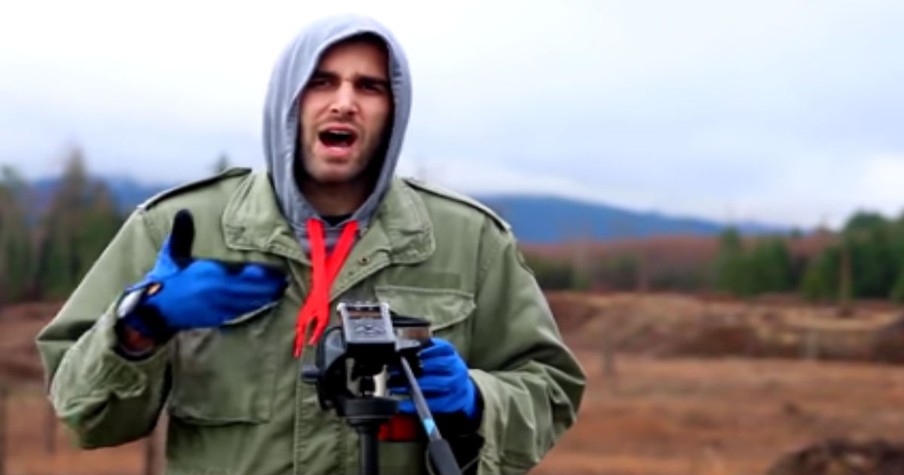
[(897, 289), (78, 224), (732, 268), (771, 269), (822, 275), (868, 239), (16, 253), (896, 248), (555, 274)]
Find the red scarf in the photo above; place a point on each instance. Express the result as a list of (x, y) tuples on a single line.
[(316, 309)]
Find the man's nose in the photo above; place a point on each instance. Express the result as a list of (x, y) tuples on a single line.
[(344, 100)]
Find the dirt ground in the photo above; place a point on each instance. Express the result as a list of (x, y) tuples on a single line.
[(38, 445), (667, 395), (722, 416)]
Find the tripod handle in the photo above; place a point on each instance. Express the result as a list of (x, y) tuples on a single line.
[(443, 459), (439, 449)]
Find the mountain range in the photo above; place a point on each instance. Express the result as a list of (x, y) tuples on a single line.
[(536, 219)]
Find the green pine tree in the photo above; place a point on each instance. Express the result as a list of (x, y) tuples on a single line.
[(80, 221), (771, 267), (16, 253), (732, 265)]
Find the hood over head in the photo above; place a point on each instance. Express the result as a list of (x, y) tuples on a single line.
[(288, 79)]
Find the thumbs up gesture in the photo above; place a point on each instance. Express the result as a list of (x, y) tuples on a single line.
[(182, 292)]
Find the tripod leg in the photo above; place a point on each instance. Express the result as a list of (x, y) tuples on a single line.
[(369, 460)]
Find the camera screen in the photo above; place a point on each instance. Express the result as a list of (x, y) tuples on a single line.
[(362, 313)]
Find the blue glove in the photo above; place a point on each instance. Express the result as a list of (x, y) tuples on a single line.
[(181, 292), (444, 380)]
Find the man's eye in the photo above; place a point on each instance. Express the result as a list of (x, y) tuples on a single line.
[(372, 86), (318, 83)]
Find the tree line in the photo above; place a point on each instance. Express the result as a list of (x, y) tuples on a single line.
[(862, 260), (48, 243), (44, 254), (865, 260)]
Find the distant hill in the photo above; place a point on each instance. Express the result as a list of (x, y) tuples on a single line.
[(535, 219), (551, 219)]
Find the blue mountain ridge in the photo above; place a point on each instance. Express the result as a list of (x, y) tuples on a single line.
[(536, 219), (547, 219)]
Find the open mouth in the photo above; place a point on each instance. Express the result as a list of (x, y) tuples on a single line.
[(338, 137)]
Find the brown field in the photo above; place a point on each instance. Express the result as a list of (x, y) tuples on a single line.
[(725, 416), (677, 385)]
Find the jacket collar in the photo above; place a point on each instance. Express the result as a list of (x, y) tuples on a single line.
[(401, 228)]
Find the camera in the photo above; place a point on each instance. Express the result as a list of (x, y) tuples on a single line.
[(350, 370), (352, 357), (368, 332)]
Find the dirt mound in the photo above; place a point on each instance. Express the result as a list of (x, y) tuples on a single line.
[(685, 325), (842, 457), (888, 342)]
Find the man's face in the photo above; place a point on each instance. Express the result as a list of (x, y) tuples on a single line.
[(343, 112)]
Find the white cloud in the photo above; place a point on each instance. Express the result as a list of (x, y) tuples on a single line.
[(761, 110), (817, 190), (880, 183)]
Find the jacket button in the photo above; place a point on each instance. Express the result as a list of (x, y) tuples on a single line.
[(363, 261)]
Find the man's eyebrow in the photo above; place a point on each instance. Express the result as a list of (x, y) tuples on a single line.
[(322, 73), (374, 79), (326, 74)]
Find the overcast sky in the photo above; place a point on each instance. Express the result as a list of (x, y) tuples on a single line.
[(788, 112)]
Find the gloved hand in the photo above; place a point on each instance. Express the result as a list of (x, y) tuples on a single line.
[(444, 380), (182, 292)]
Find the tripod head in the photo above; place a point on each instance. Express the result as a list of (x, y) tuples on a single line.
[(350, 361)]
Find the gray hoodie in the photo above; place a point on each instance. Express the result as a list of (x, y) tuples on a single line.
[(290, 74)]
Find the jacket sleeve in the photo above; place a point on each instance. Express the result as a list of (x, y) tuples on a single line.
[(103, 397), (530, 382)]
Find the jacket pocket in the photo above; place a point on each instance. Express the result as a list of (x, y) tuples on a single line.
[(225, 375), (447, 310)]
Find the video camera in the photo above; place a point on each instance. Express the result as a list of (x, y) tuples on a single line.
[(350, 370)]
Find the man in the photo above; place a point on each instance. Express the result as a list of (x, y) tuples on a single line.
[(213, 295)]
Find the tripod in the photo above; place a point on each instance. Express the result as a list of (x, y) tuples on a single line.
[(366, 415), (366, 412)]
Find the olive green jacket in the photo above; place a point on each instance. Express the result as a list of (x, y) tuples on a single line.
[(234, 398)]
